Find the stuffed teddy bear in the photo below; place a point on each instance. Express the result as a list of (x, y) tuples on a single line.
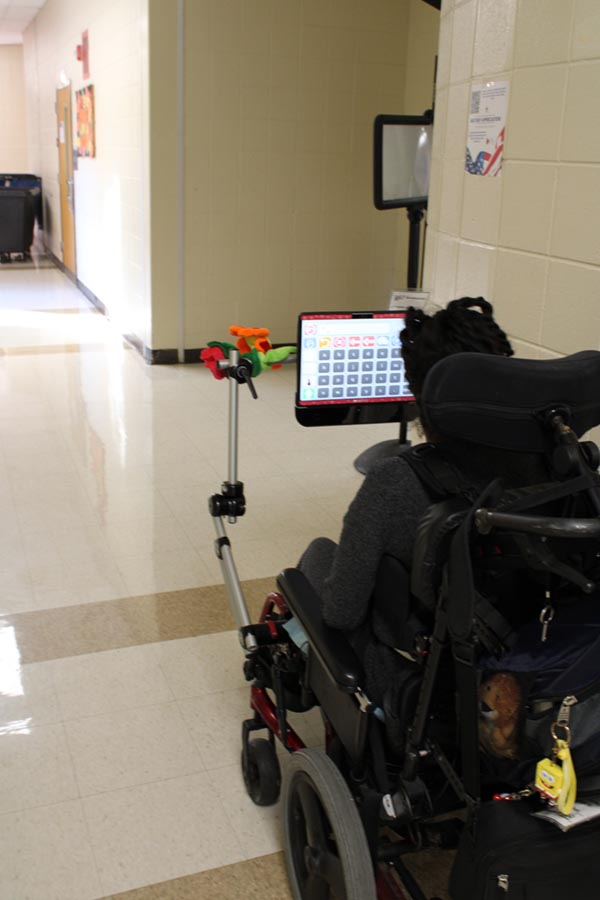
[(500, 704)]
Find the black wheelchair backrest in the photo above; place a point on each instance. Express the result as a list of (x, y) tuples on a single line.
[(503, 402), (510, 405)]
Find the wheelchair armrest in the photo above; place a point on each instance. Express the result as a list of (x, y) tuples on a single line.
[(330, 645)]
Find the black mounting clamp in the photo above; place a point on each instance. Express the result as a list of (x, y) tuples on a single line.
[(230, 502), (242, 373)]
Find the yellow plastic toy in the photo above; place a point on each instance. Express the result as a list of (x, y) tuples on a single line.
[(549, 779), (557, 781)]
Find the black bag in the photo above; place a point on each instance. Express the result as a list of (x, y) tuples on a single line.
[(515, 856), (560, 676)]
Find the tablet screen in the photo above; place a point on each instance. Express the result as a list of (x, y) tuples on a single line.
[(350, 358)]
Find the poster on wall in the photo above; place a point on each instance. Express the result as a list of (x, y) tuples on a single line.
[(86, 143), (487, 127)]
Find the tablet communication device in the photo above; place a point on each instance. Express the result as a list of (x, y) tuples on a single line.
[(350, 369)]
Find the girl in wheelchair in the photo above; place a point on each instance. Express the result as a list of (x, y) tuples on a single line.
[(451, 641), (382, 520)]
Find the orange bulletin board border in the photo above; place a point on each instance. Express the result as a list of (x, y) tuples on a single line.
[(86, 139)]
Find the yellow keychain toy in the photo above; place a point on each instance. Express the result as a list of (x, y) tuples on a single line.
[(554, 780), (549, 779)]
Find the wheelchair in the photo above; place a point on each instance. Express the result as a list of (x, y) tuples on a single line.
[(391, 783)]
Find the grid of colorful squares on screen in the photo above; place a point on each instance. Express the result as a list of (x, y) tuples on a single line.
[(351, 358)]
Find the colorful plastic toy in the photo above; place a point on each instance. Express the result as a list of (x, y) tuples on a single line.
[(252, 344)]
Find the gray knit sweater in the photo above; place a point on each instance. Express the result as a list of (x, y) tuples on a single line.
[(382, 518)]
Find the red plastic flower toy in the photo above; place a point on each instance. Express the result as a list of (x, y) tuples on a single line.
[(210, 356)]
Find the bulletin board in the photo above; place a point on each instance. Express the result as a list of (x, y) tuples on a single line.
[(86, 140)]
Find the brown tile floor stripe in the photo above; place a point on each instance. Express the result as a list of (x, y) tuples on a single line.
[(51, 348), (431, 868), (256, 879), (264, 878), (92, 627), (72, 310)]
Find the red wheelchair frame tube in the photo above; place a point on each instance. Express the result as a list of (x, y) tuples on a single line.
[(262, 704), (260, 701), (387, 886)]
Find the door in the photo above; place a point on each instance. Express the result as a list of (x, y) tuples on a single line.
[(65, 176)]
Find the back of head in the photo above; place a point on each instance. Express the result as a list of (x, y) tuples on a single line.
[(466, 325)]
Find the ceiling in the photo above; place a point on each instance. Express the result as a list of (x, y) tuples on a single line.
[(15, 16)]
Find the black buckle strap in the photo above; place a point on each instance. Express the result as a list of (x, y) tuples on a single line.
[(467, 686)]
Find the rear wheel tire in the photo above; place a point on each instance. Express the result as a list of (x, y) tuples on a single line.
[(261, 771), (326, 850)]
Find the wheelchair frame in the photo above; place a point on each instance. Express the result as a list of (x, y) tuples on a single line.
[(272, 660), (331, 675)]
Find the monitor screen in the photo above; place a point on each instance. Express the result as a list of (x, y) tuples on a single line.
[(350, 369), (402, 159)]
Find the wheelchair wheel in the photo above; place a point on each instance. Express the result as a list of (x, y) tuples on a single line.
[(326, 851), (262, 775)]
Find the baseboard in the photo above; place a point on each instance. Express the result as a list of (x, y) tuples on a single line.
[(152, 357), (95, 301), (91, 297), (156, 357)]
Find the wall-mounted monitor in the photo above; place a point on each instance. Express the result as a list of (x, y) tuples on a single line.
[(350, 369), (402, 158)]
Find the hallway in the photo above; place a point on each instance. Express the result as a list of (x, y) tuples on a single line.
[(121, 687)]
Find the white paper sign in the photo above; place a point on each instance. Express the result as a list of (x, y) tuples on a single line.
[(487, 126)]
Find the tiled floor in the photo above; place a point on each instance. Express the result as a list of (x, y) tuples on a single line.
[(119, 768)]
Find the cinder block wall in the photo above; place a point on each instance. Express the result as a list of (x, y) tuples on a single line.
[(13, 136), (529, 239)]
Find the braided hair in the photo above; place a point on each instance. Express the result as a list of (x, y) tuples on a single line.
[(457, 329)]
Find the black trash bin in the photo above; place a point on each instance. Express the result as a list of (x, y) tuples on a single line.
[(31, 183), (16, 223)]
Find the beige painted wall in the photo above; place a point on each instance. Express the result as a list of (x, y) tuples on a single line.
[(13, 136), (164, 175), (111, 190), (421, 52), (529, 240), (279, 104)]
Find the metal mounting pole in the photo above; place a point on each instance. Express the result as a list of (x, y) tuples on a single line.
[(231, 503), (415, 216), (234, 358)]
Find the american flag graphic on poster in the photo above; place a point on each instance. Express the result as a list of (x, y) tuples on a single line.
[(487, 128), (487, 162)]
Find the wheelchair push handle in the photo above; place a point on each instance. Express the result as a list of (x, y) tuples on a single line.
[(547, 526)]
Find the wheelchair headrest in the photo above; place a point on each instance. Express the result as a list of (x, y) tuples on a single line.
[(499, 401)]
